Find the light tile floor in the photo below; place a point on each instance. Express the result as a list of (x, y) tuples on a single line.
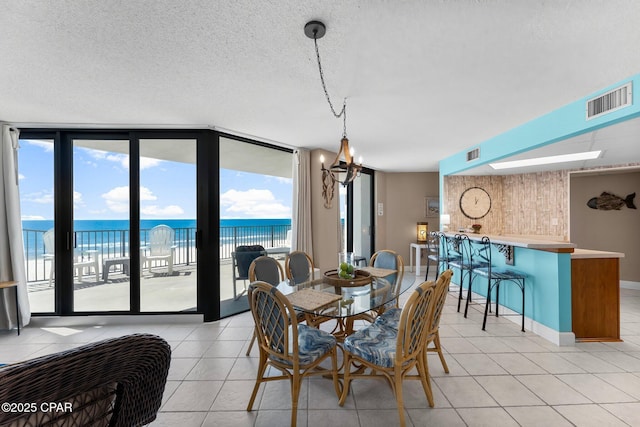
[(501, 377)]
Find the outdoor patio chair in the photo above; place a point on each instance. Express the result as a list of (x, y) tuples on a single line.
[(81, 260), (115, 382), (160, 247), (241, 259), (293, 349)]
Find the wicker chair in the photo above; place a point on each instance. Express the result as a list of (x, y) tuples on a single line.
[(293, 349), (265, 269), (394, 353), (298, 267), (115, 382), (391, 318)]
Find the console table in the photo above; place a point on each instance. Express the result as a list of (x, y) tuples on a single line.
[(417, 247)]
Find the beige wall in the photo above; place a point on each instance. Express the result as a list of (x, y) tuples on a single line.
[(324, 221), (403, 197), (607, 230)]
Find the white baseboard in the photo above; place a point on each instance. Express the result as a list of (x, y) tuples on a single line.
[(61, 321), (626, 284), (556, 337)]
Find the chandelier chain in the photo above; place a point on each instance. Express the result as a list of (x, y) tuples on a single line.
[(343, 111)]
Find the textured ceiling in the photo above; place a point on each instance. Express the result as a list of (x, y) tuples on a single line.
[(424, 79)]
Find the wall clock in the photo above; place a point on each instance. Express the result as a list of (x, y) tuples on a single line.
[(475, 202)]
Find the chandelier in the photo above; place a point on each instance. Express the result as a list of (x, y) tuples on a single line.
[(344, 164)]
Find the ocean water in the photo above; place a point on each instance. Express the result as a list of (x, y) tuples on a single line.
[(108, 236)]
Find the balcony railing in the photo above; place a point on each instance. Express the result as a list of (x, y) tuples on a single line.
[(115, 243)]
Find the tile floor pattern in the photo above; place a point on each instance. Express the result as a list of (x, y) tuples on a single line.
[(500, 377)]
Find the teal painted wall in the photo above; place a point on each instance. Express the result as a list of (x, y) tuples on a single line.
[(547, 286), (563, 123)]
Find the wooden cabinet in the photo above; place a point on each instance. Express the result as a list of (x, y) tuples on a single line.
[(595, 297)]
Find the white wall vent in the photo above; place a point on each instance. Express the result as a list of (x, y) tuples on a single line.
[(610, 101), (473, 154)]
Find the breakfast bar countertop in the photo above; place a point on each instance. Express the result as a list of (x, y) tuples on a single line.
[(530, 242), (590, 253)]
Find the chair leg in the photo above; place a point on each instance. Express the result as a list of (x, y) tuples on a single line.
[(334, 365), (262, 367), (488, 303), (253, 339), (438, 348), (346, 378), (466, 307), (522, 305), (423, 373), (295, 394), (399, 399), (460, 290)]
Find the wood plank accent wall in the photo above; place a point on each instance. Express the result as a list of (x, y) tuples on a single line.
[(522, 204), (532, 202)]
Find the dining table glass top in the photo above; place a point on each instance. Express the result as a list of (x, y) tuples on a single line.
[(323, 296)]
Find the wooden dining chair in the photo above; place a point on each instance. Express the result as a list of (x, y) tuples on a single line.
[(391, 260), (298, 267), (391, 318), (378, 351), (265, 269), (294, 349)]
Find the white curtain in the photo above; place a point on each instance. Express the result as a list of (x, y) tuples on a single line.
[(301, 239), (12, 263)]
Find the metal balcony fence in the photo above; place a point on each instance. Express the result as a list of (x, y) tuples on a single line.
[(115, 243)]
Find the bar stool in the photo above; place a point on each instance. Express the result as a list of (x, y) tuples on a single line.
[(496, 275), (466, 261), (434, 251)]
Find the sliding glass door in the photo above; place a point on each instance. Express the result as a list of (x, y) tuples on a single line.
[(140, 215), (167, 194), (99, 239)]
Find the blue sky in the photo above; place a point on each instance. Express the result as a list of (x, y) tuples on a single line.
[(167, 189)]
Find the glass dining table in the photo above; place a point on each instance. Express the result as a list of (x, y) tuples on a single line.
[(326, 298)]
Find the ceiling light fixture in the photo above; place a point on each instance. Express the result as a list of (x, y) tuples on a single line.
[(344, 162), (587, 155)]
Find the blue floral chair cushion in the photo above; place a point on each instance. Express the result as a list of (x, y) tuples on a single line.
[(389, 319), (375, 344), (313, 343)]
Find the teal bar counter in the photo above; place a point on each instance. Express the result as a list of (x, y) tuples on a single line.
[(547, 264)]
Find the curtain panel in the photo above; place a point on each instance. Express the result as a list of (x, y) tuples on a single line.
[(301, 236), (12, 261)]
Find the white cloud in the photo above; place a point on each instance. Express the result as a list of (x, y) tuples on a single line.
[(123, 159), (46, 145), (254, 204), (43, 197), (32, 217), (77, 198), (117, 199), (166, 212), (21, 177)]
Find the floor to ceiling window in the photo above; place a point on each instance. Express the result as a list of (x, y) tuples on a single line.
[(255, 211), (35, 163), (139, 215)]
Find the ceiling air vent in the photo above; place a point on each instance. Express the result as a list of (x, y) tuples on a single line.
[(610, 101), (473, 154)]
